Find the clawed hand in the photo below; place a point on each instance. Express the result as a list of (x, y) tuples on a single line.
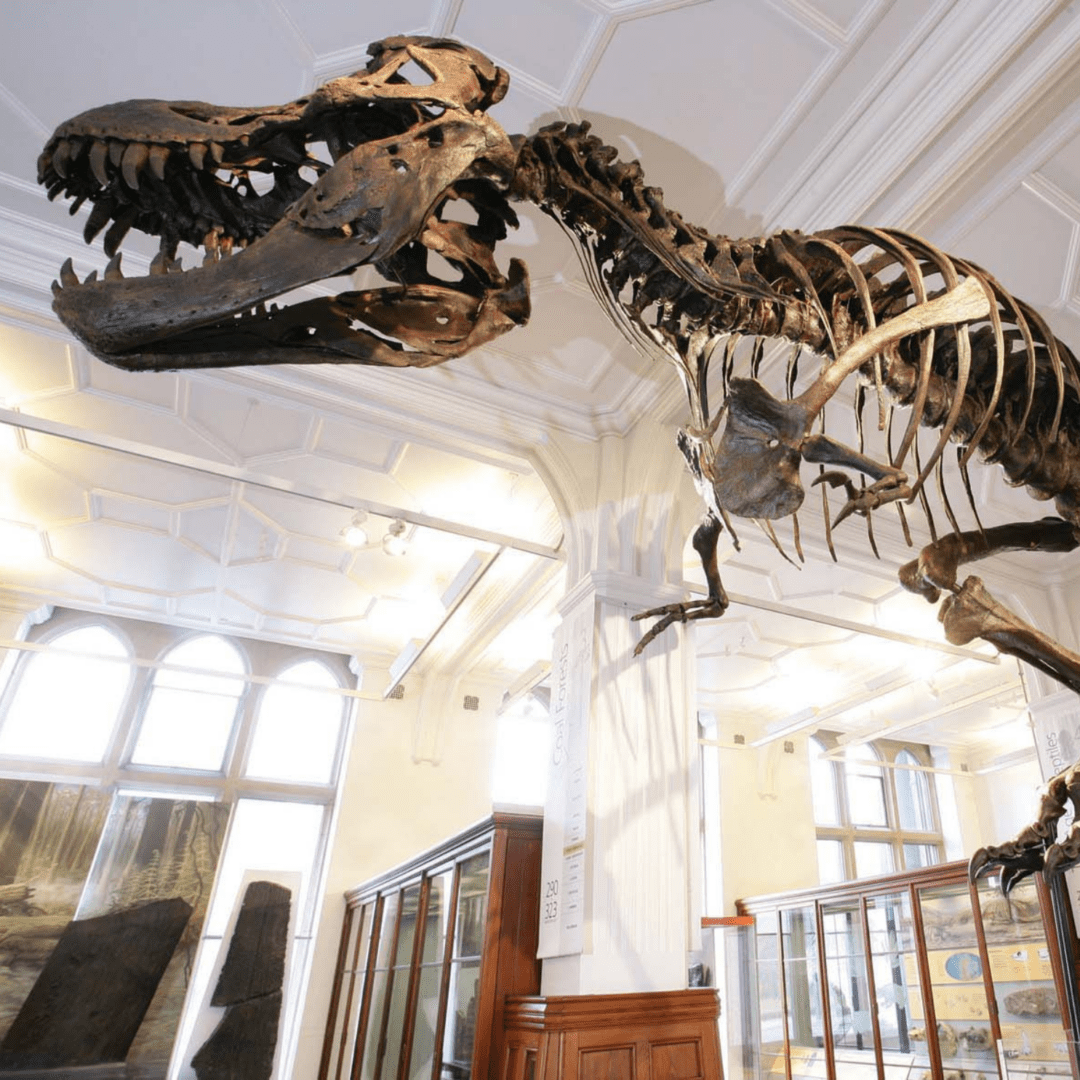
[(890, 488), (708, 608)]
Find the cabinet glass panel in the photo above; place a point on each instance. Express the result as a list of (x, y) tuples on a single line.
[(352, 924), (432, 950), (352, 990), (770, 1000), (802, 989), (460, 1033), (849, 998), (379, 980), (956, 980), (1032, 1036), (894, 960), (399, 976)]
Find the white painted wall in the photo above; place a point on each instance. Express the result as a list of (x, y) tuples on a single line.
[(766, 821), (393, 808)]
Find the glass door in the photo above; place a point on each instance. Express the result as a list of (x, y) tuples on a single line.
[(772, 1047), (894, 963), (961, 1015), (376, 1016), (471, 916), (1033, 1039), (437, 915), (850, 1018), (802, 992)]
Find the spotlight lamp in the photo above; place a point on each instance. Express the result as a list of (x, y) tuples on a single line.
[(394, 542), (354, 534)]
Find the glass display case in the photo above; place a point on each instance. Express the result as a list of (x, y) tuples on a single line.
[(428, 954), (907, 977)]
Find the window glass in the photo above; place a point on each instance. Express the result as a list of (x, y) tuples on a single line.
[(873, 859), (823, 782), (522, 747), (298, 727), (267, 835), (65, 706), (912, 795), (830, 859), (189, 720), (916, 855), (865, 788)]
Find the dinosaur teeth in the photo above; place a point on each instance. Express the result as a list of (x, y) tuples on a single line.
[(114, 237), (98, 153), (112, 271), (158, 156), (217, 152), (61, 157), (116, 152), (133, 162), (197, 156), (68, 277), (99, 217)]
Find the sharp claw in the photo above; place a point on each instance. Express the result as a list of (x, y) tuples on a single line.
[(849, 508), (978, 865)]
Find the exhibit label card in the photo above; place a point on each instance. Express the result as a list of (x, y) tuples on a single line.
[(564, 862)]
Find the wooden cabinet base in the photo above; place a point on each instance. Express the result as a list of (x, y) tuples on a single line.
[(661, 1036)]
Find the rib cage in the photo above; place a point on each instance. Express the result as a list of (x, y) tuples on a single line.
[(1003, 386)]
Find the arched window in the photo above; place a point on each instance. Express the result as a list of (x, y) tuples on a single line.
[(522, 751), (874, 809), (298, 727), (189, 719), (66, 700), (823, 779)]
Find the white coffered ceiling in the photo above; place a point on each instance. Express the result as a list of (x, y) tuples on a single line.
[(217, 499)]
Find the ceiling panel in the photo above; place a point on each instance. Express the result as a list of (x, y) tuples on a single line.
[(151, 50), (327, 26), (543, 40), (656, 70)]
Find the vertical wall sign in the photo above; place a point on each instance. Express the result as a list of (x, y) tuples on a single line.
[(1057, 739), (563, 864)]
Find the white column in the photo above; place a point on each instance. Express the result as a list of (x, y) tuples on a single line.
[(621, 829)]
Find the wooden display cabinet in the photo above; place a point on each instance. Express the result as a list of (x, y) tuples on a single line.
[(923, 976), (429, 953)]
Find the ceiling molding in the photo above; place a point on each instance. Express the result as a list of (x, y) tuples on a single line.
[(1003, 133), (952, 52)]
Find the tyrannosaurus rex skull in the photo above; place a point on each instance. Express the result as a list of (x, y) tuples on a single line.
[(243, 184)]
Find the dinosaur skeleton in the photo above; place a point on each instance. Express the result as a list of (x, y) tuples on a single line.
[(924, 331)]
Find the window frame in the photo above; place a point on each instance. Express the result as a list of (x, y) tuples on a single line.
[(885, 752), (69, 770), (147, 645)]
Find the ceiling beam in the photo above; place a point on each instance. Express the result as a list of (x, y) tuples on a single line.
[(848, 624), (161, 456)]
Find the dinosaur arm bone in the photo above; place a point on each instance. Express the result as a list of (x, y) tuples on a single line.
[(935, 568)]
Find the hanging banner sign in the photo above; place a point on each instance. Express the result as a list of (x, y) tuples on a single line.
[(563, 861)]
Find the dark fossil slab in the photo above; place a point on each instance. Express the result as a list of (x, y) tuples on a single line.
[(95, 988), (249, 986)]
